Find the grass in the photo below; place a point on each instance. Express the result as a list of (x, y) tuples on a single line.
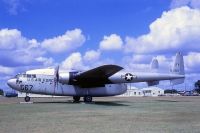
[(106, 115)]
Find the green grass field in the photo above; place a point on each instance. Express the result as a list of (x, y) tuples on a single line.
[(105, 115)]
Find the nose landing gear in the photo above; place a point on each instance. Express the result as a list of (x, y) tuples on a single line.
[(27, 99)]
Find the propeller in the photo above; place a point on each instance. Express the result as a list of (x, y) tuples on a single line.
[(56, 78)]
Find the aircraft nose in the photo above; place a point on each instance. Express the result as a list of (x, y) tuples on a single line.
[(12, 83)]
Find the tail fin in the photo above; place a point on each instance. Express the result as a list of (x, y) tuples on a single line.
[(154, 68), (154, 65), (178, 68)]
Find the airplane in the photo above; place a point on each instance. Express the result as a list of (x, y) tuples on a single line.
[(102, 81)]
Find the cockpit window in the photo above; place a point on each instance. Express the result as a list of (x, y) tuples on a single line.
[(17, 76), (33, 76), (26, 75)]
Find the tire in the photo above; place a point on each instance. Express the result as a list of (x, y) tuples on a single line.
[(87, 99), (27, 99), (76, 99)]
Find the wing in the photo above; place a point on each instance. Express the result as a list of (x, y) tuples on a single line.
[(95, 77)]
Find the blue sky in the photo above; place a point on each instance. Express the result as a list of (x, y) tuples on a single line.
[(81, 34)]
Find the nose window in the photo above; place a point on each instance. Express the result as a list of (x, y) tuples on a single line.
[(17, 76), (18, 81)]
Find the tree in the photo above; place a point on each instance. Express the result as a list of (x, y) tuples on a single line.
[(1, 92), (197, 86), (172, 91)]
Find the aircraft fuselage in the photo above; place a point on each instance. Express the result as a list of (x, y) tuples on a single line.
[(45, 84), (116, 85)]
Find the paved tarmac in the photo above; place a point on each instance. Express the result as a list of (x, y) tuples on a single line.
[(105, 115)]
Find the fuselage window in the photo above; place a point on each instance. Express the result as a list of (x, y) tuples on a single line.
[(33, 76), (28, 76)]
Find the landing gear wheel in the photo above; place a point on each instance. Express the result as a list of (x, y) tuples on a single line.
[(76, 99), (27, 99), (87, 99)]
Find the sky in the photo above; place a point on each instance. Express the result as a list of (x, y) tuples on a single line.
[(83, 34)]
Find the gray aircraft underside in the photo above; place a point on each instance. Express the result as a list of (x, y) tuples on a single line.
[(106, 80)]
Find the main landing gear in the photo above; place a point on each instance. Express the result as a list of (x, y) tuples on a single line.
[(87, 99), (76, 99), (27, 99)]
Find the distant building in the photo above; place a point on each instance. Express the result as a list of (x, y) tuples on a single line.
[(133, 91), (153, 91), (150, 91)]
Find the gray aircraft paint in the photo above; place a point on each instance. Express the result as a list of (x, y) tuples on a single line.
[(46, 87), (46, 83)]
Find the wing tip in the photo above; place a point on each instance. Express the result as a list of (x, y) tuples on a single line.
[(112, 65)]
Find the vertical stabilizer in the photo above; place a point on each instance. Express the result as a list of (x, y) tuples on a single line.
[(154, 65), (178, 68), (154, 68)]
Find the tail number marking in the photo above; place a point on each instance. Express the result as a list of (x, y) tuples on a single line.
[(26, 87)]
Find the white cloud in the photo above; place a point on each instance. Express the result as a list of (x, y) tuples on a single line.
[(31, 52), (191, 3), (45, 61), (17, 49), (192, 62), (139, 58), (10, 39), (67, 42), (137, 67), (142, 62), (176, 29), (112, 42), (6, 70), (139, 63), (15, 6), (74, 61), (91, 55)]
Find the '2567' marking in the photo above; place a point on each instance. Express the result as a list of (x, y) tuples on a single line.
[(26, 87)]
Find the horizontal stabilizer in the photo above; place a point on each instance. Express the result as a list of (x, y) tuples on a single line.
[(177, 81), (152, 83)]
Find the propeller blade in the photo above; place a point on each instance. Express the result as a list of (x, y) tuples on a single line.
[(56, 78), (56, 73)]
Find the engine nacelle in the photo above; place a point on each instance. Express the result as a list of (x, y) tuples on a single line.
[(64, 78)]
